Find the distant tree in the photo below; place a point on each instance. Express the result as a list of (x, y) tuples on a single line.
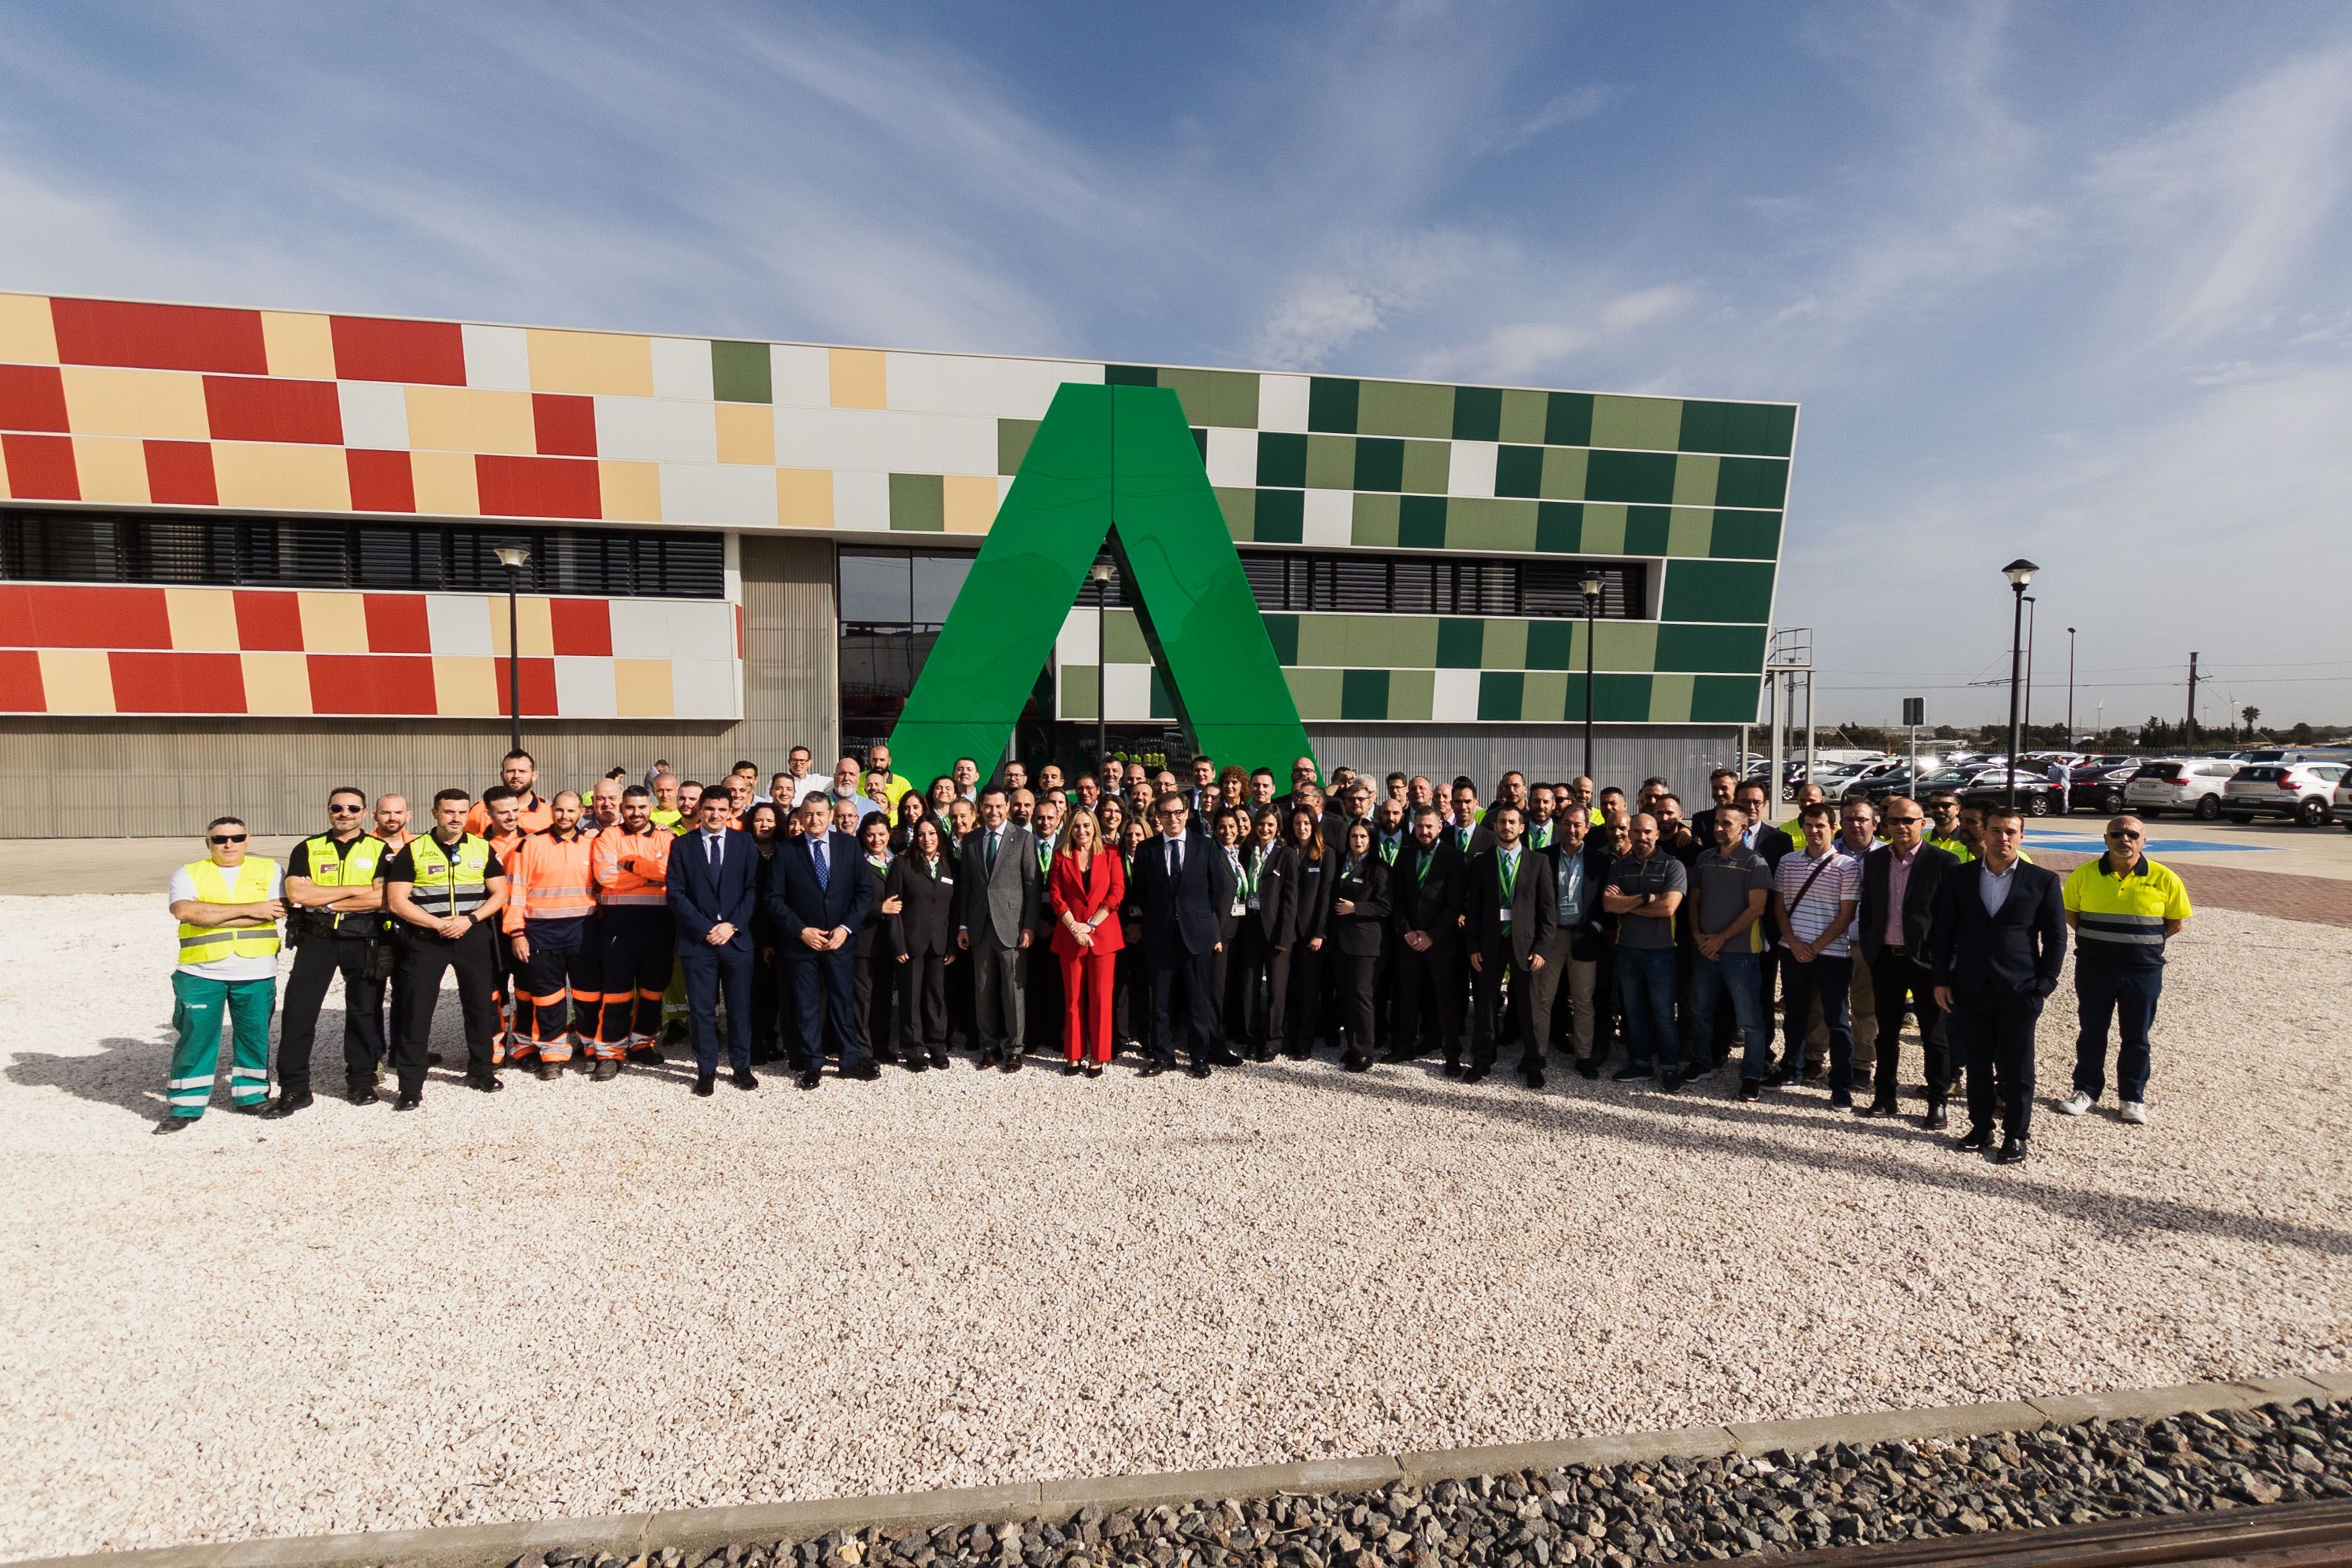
[(2250, 713), (2302, 734)]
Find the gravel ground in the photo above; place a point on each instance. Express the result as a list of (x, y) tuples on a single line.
[(1672, 1511), (583, 1299)]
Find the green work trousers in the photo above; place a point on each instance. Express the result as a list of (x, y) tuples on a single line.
[(198, 1004)]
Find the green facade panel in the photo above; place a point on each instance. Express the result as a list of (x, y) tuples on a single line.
[(1282, 458), (1718, 591), (1644, 476), (1568, 419), (1745, 536), (1427, 466), (1412, 695), (1239, 508), (1332, 463), (1560, 527), (1363, 694), (1710, 648), (1226, 398), (1725, 699), (740, 373), (1318, 693), (1461, 644), (1670, 698), (1280, 517), (1404, 408), (1380, 464), (1376, 523), (1499, 695), (1332, 405), (1013, 438), (1478, 413), (915, 504), (1524, 417), (1643, 424), (1421, 521)]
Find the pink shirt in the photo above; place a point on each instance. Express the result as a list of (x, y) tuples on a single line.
[(1899, 882)]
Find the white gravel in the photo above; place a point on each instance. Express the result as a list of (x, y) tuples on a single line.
[(581, 1298)]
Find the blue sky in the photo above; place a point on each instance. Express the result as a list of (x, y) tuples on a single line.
[(2067, 281)]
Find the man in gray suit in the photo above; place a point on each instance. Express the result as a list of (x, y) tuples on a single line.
[(1000, 895)]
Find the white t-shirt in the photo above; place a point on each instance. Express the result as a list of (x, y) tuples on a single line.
[(815, 783), (234, 966)]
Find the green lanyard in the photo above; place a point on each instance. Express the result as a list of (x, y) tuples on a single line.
[(1421, 869), (1250, 869), (1388, 851), (1507, 872)]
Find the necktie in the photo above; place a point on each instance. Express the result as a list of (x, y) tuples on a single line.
[(992, 851), (1175, 859), (712, 843), (816, 848)]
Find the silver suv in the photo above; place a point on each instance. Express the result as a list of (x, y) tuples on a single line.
[(2192, 785), (2302, 792)]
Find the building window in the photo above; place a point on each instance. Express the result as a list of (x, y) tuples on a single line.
[(199, 548), (893, 604), (1367, 583)]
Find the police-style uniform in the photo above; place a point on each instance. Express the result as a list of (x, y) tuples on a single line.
[(328, 944), (2119, 965), (446, 880)]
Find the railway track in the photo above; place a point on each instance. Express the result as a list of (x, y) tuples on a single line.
[(2288, 1535)]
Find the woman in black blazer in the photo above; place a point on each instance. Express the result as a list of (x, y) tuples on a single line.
[(1359, 916), (1306, 906), (877, 974), (1253, 1004), (923, 942)]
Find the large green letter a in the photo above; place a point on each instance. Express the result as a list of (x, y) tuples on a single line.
[(1105, 456)]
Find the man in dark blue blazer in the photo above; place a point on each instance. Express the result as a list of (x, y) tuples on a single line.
[(1995, 941), (714, 875), (1181, 881), (817, 895)]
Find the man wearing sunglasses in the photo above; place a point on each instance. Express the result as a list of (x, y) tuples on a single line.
[(334, 893), (2123, 907), (229, 906)]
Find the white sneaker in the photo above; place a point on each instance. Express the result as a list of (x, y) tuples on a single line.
[(2135, 1112), (2074, 1104)]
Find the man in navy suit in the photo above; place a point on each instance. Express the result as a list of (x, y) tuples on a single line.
[(1182, 881), (818, 896), (713, 888), (1995, 941)]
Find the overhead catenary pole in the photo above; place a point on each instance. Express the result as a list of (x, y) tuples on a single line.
[(2188, 741), (2070, 689)]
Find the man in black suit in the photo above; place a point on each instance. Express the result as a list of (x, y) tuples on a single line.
[(1511, 910), (1723, 785), (1470, 836), (1181, 883), (713, 891), (1772, 843), (1425, 912), (1899, 879), (1995, 941), (818, 894)]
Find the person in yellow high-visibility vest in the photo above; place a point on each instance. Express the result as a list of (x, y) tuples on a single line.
[(229, 906)]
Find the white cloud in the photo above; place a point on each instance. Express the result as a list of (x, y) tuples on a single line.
[(1319, 314)]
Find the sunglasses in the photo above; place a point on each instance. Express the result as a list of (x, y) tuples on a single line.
[(345, 810), (225, 839), (2121, 833)]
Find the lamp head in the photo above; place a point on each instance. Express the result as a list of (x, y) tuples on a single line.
[(2020, 571), (1099, 572), (513, 557), (1590, 585)]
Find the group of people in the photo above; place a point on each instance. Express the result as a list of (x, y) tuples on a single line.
[(858, 918)]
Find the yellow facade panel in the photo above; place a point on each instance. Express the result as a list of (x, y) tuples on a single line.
[(281, 478), (747, 433), (533, 619), (804, 497), (641, 688), (444, 484), (631, 492), (333, 623), (615, 364), (77, 680), (860, 378), (299, 344), (464, 687), (470, 419), (204, 620), (160, 404), (968, 501), (26, 335), (278, 683), (111, 468)]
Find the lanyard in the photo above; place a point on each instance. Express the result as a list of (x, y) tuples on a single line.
[(1388, 851), (1507, 872), (1249, 874), (1421, 869)]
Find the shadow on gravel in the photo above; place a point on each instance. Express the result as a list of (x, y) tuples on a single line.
[(1712, 1125), (122, 1072)]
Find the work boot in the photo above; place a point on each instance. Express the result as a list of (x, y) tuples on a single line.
[(547, 1072), (606, 1069)]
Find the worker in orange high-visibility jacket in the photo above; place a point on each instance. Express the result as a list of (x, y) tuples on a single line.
[(630, 866), (533, 812), (550, 916), (504, 834)]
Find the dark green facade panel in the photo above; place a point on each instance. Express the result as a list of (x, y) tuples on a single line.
[(1752, 481), (1560, 527), (1461, 644), (1746, 536), (1364, 694), (1645, 530), (1568, 419), (1744, 429), (1281, 517), (1500, 693), (1618, 699), (1551, 644), (1331, 404), (1725, 699), (1380, 463), (1710, 648), (1519, 471), (1645, 477), (1282, 458), (1283, 632), (1421, 522), (1478, 413), (1718, 591)]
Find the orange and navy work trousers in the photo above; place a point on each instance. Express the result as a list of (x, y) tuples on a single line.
[(636, 968), (562, 994), (1087, 982)]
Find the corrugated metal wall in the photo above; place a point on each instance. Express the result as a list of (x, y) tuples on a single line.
[(131, 777), (1683, 755)]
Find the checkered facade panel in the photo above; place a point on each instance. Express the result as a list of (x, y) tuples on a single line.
[(98, 650)]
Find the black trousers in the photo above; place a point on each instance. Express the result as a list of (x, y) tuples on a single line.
[(1356, 979), (1995, 1033), (821, 990), (1498, 992), (961, 1026), (1222, 1017), (1248, 1010), (1429, 996), (429, 957), (1042, 1001), (319, 959), (1302, 969), (1173, 974), (1893, 978), (878, 985), (922, 1005), (1385, 990), (763, 996)]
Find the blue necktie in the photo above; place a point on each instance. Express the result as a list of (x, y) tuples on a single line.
[(818, 848)]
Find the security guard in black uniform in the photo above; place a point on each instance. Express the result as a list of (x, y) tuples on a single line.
[(334, 903), (446, 889)]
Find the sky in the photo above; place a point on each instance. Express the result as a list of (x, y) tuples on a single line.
[(2065, 281)]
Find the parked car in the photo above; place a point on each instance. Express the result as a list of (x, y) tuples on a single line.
[(1876, 786), (2036, 795), (2300, 792), (2344, 801), (2098, 784), (2192, 785)]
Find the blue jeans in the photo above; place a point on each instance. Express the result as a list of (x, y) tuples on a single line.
[(1830, 981), (2127, 995), (1647, 974), (1742, 975)]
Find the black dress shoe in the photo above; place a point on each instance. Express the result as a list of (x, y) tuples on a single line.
[(1012, 1062), (808, 1079), (1069, 1069), (2012, 1153), (1397, 1057), (1453, 1067), (361, 1093), (408, 1103), (647, 1057), (286, 1105), (1875, 1108), (1356, 1061), (940, 1059), (1261, 1054), (1198, 1069), (1751, 1089), (1299, 1053), (1934, 1121), (1977, 1142), (484, 1082), (170, 1124), (705, 1085), (1094, 1069), (989, 1059), (1223, 1058), (919, 1063), (887, 1054), (433, 1059), (742, 1079), (1534, 1077), (1474, 1074), (1152, 1069), (1630, 1074), (1587, 1068), (864, 1072)]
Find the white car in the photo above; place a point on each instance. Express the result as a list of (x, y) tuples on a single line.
[(2300, 792), (2192, 785), (2344, 802)]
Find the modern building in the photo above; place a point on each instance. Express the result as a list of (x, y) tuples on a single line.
[(247, 555)]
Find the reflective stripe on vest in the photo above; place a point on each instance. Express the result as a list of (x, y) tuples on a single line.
[(444, 889), (2134, 931), (202, 945)]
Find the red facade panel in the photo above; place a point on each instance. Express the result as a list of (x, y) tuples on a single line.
[(177, 682), (159, 337), (381, 481), (180, 473), (268, 622), (44, 614), (396, 624), (566, 426), (583, 627), (368, 348), (33, 397), (538, 688), (537, 486), (370, 683), (41, 467), (20, 682), (271, 409)]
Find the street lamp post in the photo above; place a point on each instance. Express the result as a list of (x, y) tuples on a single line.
[(2031, 606), (2019, 572), (514, 558), (1592, 586), (1100, 575)]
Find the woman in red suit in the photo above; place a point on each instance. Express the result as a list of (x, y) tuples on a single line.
[(1084, 892)]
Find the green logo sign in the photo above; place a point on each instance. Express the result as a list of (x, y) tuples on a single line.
[(1116, 462)]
